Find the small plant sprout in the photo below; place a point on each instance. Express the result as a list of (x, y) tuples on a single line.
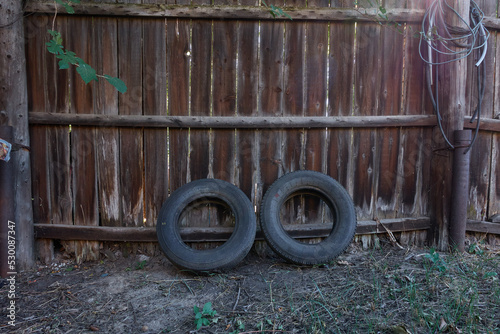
[(205, 317)]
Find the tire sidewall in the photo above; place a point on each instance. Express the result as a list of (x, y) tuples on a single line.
[(335, 196), (224, 256)]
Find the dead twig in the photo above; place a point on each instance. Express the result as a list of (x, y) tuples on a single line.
[(391, 235)]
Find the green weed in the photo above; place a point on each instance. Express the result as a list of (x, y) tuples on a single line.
[(205, 316)]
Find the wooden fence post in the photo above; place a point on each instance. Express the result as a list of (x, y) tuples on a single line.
[(452, 101), (13, 100)]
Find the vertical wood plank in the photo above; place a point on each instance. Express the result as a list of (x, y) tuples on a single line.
[(389, 92), (367, 76), (315, 91), (271, 93), (108, 139), (178, 63), (131, 140), (315, 94), (494, 191), (340, 97), (224, 96), (416, 143), (480, 158), (155, 103), (201, 58), (35, 67), (248, 166), (83, 143), (293, 98)]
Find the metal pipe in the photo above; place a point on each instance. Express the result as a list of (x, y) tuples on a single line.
[(460, 189), (6, 202)]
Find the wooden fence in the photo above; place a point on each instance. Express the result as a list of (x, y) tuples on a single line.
[(228, 92)]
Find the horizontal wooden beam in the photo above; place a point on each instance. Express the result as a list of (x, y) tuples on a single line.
[(240, 12), (483, 227), (228, 12), (486, 124), (197, 234), (230, 122)]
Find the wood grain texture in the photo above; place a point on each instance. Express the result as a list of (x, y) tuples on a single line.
[(178, 98), (481, 163), (247, 161), (155, 102), (224, 96), (131, 140), (236, 12), (271, 100), (83, 149), (36, 26), (201, 87), (107, 139)]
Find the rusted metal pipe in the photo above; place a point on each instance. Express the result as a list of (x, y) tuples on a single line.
[(6, 202), (460, 189)]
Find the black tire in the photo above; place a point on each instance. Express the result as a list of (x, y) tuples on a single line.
[(332, 193), (225, 256)]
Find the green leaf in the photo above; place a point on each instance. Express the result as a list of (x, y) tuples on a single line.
[(56, 36), (54, 47), (205, 322), (382, 9), (198, 323), (118, 84), (63, 64), (196, 309), (86, 72), (207, 308), (67, 58)]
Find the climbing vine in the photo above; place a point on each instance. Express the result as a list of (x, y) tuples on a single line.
[(67, 57)]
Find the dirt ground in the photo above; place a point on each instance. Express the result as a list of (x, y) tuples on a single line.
[(384, 290)]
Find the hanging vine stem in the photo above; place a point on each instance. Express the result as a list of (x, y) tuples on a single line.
[(67, 58)]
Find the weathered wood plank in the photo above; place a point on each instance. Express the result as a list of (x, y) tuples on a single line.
[(178, 32), (315, 94), (13, 80), (367, 77), (480, 163), (247, 162), (494, 192), (388, 183), (271, 99), (107, 139), (201, 86), (131, 140), (35, 65), (224, 96), (197, 234), (155, 102), (234, 12), (315, 88), (340, 99), (293, 98), (83, 149), (292, 140), (243, 122)]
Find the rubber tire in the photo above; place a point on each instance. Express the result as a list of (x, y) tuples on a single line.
[(225, 256), (334, 195)]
